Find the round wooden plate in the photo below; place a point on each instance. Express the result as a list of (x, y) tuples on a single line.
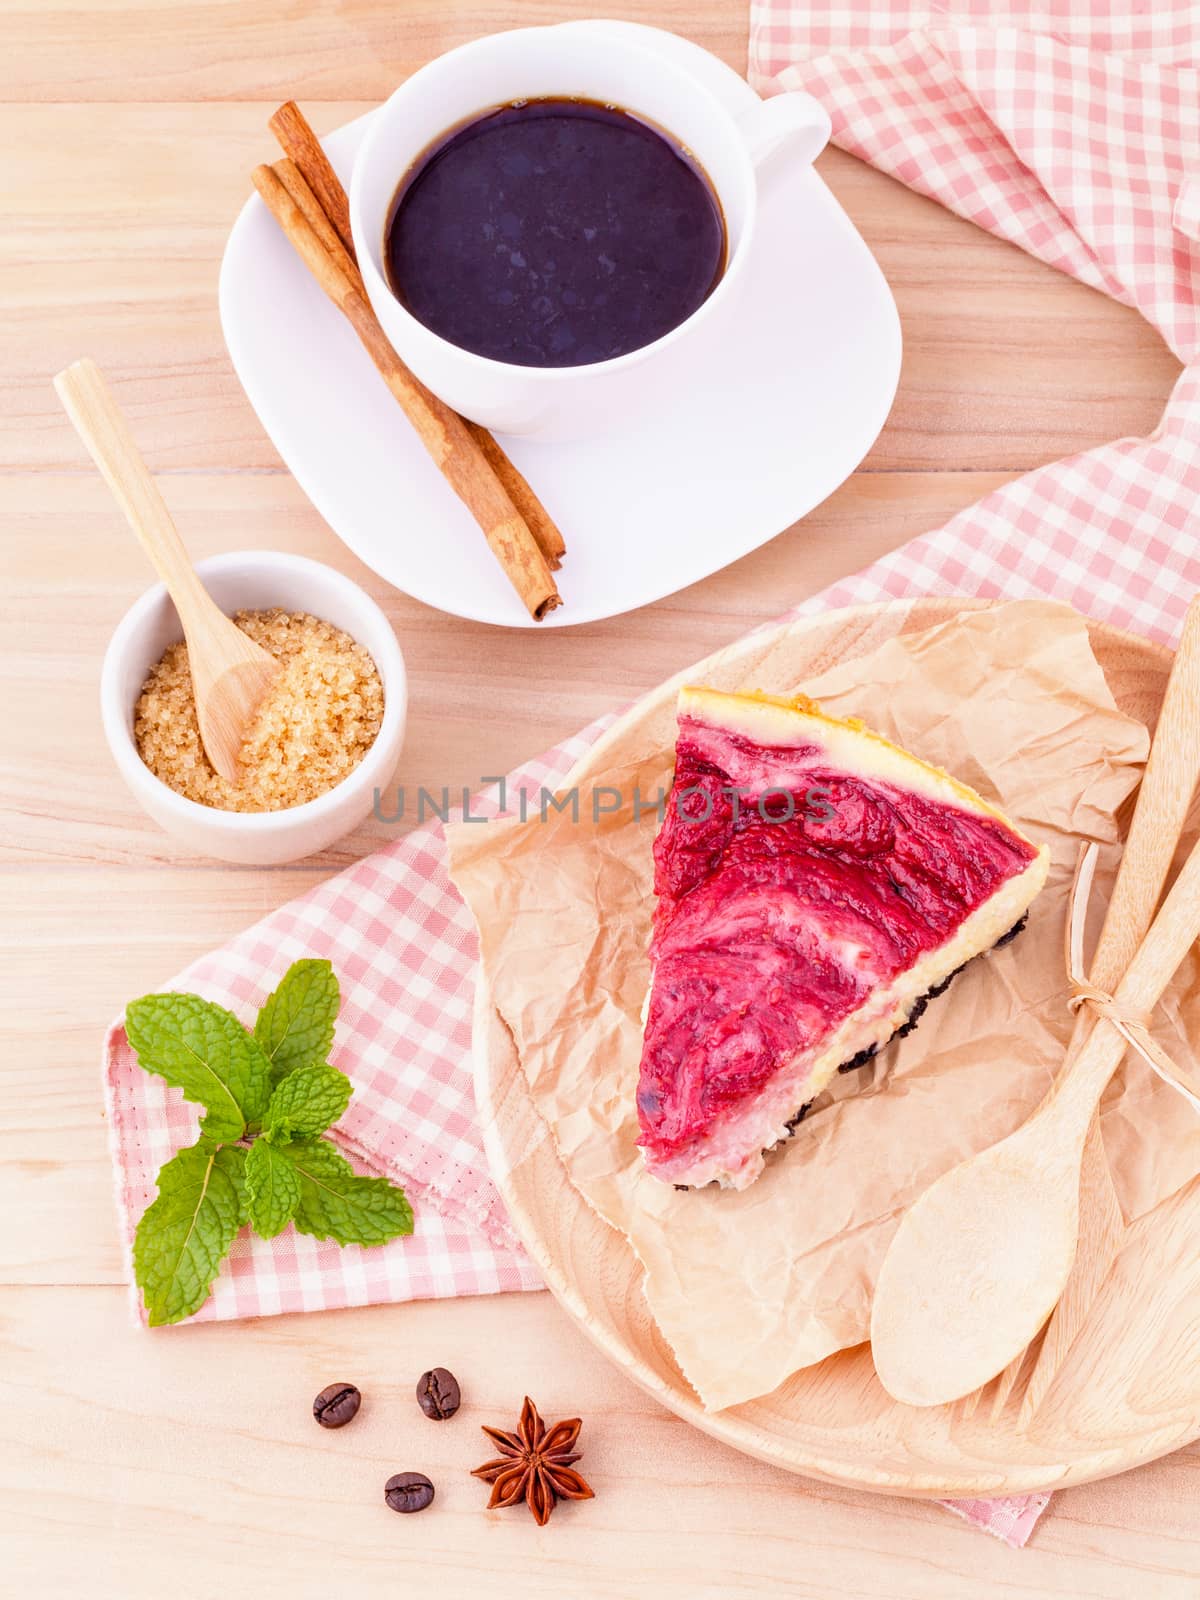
[(1129, 1390)]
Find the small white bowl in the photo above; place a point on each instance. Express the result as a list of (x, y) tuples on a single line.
[(255, 580)]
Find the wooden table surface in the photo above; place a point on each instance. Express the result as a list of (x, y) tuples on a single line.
[(186, 1462)]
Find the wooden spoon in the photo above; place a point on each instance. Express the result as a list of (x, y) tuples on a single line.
[(1163, 799), (230, 673), (979, 1261)]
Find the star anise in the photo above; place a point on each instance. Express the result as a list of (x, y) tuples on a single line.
[(534, 1465)]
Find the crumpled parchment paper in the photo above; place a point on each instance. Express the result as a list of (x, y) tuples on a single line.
[(748, 1287)]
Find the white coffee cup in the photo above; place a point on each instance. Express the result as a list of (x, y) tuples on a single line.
[(528, 63)]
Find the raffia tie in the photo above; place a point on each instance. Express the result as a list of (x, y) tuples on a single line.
[(1134, 1029)]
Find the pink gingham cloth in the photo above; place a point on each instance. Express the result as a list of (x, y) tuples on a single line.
[(1070, 129)]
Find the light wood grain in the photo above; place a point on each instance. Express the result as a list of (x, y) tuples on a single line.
[(141, 1487), (135, 1467), (208, 50), (1131, 1388), (62, 560)]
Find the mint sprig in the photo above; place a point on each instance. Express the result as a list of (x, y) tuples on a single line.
[(185, 1235), (307, 1102), (202, 1049), (295, 1026), (267, 1098), (335, 1203), (272, 1189)]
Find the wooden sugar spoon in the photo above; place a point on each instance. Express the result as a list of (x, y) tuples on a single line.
[(979, 1262), (230, 673)]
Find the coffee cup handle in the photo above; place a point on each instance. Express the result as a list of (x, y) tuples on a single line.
[(792, 122)]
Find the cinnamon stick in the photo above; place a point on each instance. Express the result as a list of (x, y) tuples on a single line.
[(442, 431), (541, 524), (297, 140), (294, 181), (306, 156)]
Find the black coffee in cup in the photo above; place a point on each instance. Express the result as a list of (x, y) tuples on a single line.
[(554, 233)]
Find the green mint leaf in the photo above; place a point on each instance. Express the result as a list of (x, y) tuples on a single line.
[(307, 1102), (202, 1049), (184, 1234), (272, 1189), (295, 1027), (335, 1203)]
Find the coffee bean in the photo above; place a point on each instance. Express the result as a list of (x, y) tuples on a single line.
[(336, 1405), (438, 1394), (408, 1491)]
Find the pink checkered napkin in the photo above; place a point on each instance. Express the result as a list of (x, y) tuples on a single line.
[(1070, 127), (1069, 130)]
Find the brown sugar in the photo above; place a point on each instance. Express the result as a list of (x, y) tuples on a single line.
[(314, 727)]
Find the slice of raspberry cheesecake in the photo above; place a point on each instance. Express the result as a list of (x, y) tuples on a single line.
[(816, 884)]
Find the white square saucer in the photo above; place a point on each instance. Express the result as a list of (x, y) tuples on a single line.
[(781, 411)]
